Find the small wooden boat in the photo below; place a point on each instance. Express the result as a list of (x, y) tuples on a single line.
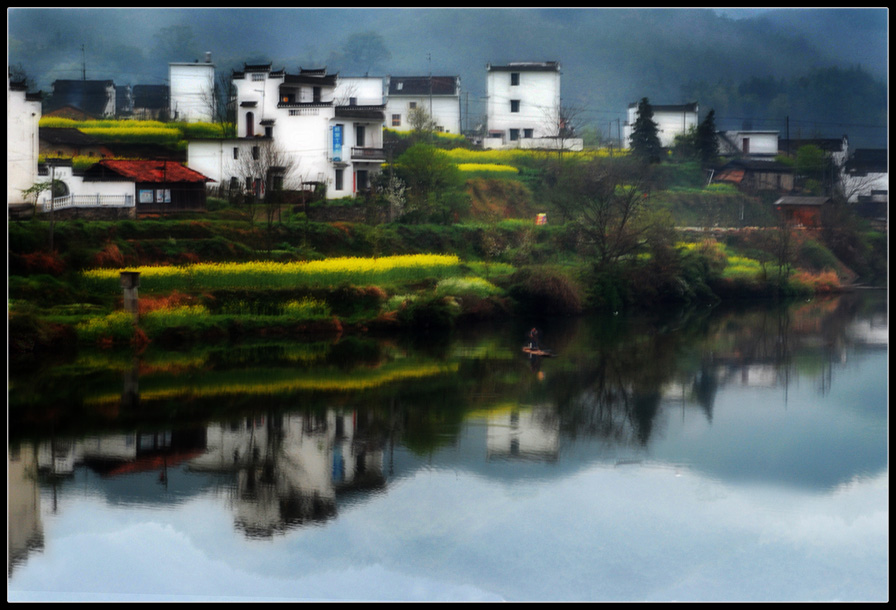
[(537, 351)]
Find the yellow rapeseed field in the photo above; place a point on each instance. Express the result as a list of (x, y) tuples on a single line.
[(326, 272)]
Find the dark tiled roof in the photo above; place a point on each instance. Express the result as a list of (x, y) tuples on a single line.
[(150, 96), (361, 112), (828, 144), (419, 85), (526, 66), (758, 165), (305, 78), (66, 135), (689, 107), (868, 160)]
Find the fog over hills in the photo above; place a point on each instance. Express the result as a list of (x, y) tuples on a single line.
[(610, 57)]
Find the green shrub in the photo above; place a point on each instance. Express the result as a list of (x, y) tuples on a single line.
[(466, 286), (117, 327), (429, 313), (816, 257), (546, 290)]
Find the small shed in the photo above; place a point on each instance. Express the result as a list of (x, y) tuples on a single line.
[(160, 186), (802, 210)]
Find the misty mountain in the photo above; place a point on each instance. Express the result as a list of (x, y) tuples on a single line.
[(610, 57)]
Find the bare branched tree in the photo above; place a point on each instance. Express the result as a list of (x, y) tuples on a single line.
[(610, 209), (264, 172), (563, 126)]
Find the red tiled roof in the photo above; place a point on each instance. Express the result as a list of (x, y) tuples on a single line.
[(731, 175), (153, 171)]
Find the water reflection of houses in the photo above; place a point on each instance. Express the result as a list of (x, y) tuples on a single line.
[(24, 531), (530, 434), (290, 468)]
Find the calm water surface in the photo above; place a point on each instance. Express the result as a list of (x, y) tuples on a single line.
[(710, 455)]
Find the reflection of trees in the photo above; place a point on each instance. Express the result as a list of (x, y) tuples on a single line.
[(616, 391)]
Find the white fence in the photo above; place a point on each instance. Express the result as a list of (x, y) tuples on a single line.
[(87, 201)]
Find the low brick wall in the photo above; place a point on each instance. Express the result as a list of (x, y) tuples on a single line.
[(346, 214), (92, 214)]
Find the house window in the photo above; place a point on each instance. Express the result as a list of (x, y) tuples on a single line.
[(268, 131), (339, 174), (352, 101), (234, 184), (315, 95), (255, 152), (746, 146), (412, 105), (514, 105), (514, 79), (250, 124), (514, 135), (359, 135), (396, 120), (258, 76), (528, 133), (236, 152)]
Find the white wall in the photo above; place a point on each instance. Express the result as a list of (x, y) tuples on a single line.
[(367, 90), (538, 93), (669, 124), (192, 89), (445, 110), (760, 142), (855, 186), (22, 144)]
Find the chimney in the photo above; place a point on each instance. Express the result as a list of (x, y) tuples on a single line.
[(208, 57)]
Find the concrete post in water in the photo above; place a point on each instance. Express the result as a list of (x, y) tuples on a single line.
[(130, 281)]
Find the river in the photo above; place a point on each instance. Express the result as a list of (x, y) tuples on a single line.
[(726, 454)]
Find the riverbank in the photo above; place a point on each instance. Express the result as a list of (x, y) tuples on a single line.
[(217, 277)]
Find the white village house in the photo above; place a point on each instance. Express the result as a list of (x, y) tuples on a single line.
[(438, 96), (23, 112), (299, 116), (192, 90), (671, 120), (748, 143), (523, 107)]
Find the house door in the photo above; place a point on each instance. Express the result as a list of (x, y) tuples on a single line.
[(250, 125), (359, 135)]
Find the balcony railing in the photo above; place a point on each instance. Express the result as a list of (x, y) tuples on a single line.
[(87, 201), (368, 154)]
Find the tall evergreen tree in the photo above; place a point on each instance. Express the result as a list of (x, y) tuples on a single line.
[(644, 140), (707, 144)]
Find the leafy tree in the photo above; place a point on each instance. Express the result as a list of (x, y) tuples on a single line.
[(421, 122), (810, 165), (705, 141), (645, 141), (435, 186)]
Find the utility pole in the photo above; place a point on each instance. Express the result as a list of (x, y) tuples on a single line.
[(432, 121)]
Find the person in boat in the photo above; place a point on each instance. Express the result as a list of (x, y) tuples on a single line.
[(533, 338)]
